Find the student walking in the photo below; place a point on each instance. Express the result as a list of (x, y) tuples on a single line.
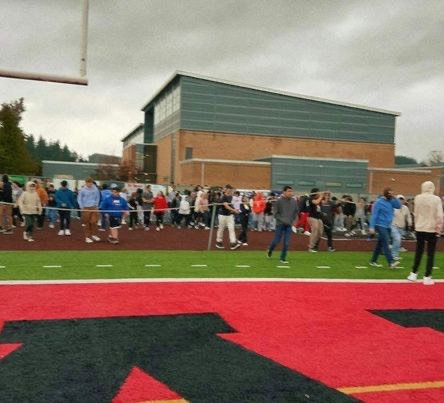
[(226, 220), (89, 199), (428, 213), (160, 207), (117, 209), (64, 201), (315, 219), (380, 223), (285, 213), (31, 208), (244, 216)]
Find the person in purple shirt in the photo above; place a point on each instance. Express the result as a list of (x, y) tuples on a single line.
[(380, 223)]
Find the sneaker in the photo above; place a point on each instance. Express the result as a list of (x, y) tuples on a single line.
[(374, 264), (88, 240), (308, 233), (130, 229), (30, 239), (428, 281), (294, 229), (147, 228), (25, 236), (234, 246), (157, 229), (403, 250), (8, 232), (269, 252), (397, 258), (206, 228), (347, 234), (331, 249), (102, 229), (312, 250), (61, 232), (244, 244), (394, 264), (67, 232), (283, 261), (363, 232), (412, 276), (51, 225), (161, 226), (22, 224), (219, 245), (95, 238)]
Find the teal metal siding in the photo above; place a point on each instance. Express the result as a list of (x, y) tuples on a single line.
[(303, 174), (213, 106)]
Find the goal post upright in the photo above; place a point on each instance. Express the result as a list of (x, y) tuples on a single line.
[(81, 80)]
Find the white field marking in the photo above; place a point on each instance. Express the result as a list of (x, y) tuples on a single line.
[(199, 265), (399, 267), (206, 280), (361, 267), (283, 267), (104, 265), (52, 267), (434, 267), (152, 265), (2, 267), (323, 267), (242, 265)]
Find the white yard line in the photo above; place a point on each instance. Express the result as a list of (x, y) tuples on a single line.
[(208, 280), (152, 265), (323, 267), (242, 265), (104, 265), (52, 267), (199, 265), (361, 267)]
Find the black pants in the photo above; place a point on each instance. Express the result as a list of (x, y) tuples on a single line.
[(243, 235), (421, 239), (133, 219), (328, 232), (146, 217), (65, 219), (41, 219)]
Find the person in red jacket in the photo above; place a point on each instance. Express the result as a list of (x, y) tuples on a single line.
[(160, 205)]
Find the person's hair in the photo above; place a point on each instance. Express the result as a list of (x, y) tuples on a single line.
[(64, 183), (89, 180), (387, 191), (5, 178), (287, 187), (228, 187)]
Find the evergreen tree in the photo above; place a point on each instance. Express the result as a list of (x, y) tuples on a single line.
[(14, 156)]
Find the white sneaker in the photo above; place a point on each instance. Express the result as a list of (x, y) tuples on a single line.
[(30, 239), (161, 226), (51, 225), (374, 264), (428, 281), (147, 228), (412, 276), (95, 238), (157, 229), (67, 232), (294, 229), (25, 236), (88, 240), (61, 232), (308, 233)]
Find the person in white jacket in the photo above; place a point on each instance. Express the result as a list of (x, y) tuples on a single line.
[(428, 213), (30, 207)]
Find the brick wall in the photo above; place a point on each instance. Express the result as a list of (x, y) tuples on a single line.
[(249, 147)]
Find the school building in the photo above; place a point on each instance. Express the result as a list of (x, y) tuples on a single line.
[(202, 130)]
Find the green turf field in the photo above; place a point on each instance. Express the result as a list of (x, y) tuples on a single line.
[(181, 264)]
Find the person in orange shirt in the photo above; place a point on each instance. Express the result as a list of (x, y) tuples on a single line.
[(43, 195), (258, 208)]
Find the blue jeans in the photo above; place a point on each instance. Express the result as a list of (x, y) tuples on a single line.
[(284, 230), (382, 244), (52, 215), (396, 240)]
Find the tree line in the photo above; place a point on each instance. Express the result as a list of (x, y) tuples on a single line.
[(21, 153)]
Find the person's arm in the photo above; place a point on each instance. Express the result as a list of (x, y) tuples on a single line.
[(375, 213), (439, 218)]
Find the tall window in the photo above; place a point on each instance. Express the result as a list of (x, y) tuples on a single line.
[(188, 153)]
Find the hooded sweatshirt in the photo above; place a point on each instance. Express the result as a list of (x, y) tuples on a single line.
[(29, 201), (428, 210)]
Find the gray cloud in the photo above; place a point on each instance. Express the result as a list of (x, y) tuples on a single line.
[(380, 53)]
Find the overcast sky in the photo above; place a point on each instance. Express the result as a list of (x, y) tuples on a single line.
[(384, 54)]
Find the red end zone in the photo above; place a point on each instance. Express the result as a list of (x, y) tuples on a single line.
[(323, 330)]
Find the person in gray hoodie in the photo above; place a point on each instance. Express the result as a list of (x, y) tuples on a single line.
[(285, 213), (428, 213)]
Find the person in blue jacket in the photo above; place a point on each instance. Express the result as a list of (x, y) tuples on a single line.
[(380, 223), (116, 207), (65, 201)]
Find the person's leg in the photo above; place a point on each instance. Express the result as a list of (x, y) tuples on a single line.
[(384, 234), (221, 228), (420, 243), (93, 222), (314, 236), (396, 241), (85, 220), (231, 233), (378, 247), (8, 217), (431, 246), (287, 233), (328, 232), (62, 215), (277, 238), (29, 218)]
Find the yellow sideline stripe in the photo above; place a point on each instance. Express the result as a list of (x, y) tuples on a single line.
[(392, 387)]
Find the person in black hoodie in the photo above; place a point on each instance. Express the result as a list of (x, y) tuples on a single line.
[(6, 206)]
